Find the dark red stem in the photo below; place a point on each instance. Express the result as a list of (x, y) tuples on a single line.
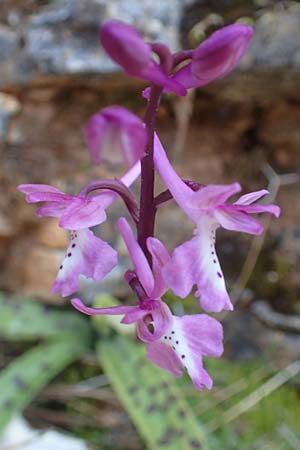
[(147, 209)]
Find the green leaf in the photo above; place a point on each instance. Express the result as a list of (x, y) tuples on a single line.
[(29, 373), (29, 320), (151, 396)]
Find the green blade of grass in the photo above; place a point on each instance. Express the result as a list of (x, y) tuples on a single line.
[(29, 320), (29, 373), (152, 397)]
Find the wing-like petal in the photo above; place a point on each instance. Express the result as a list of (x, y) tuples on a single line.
[(247, 199), (82, 213)]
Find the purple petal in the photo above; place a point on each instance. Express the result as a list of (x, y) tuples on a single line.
[(157, 76), (164, 357), (247, 199), (216, 56), (82, 213), (180, 191), (41, 196), (114, 310), (38, 188), (126, 46), (183, 345), (213, 195), (257, 209), (51, 209), (198, 335), (230, 218), (115, 133), (86, 255), (134, 315), (160, 257), (196, 262), (159, 317), (137, 256)]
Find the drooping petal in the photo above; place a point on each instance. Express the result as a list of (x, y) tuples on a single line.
[(125, 45), (86, 255), (137, 256), (160, 257), (216, 56), (113, 310), (247, 199), (196, 262), (114, 134), (189, 338), (82, 213), (232, 219), (164, 357)]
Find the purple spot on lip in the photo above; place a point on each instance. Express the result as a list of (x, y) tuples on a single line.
[(215, 261), (182, 356), (60, 267), (69, 255), (177, 342), (73, 245), (219, 274)]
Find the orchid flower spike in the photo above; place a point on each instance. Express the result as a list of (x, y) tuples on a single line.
[(173, 343), (125, 45), (86, 254), (195, 261), (216, 56), (114, 134)]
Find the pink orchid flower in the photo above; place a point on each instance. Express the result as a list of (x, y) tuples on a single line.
[(125, 45), (113, 133), (195, 261), (216, 56), (173, 343), (86, 254)]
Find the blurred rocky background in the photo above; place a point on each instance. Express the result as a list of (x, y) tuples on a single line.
[(54, 75)]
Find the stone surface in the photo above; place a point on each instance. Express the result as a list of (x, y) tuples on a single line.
[(62, 38)]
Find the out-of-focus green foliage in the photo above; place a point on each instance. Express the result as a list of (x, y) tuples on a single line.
[(168, 413), (67, 336), (29, 320), (151, 396), (25, 377)]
